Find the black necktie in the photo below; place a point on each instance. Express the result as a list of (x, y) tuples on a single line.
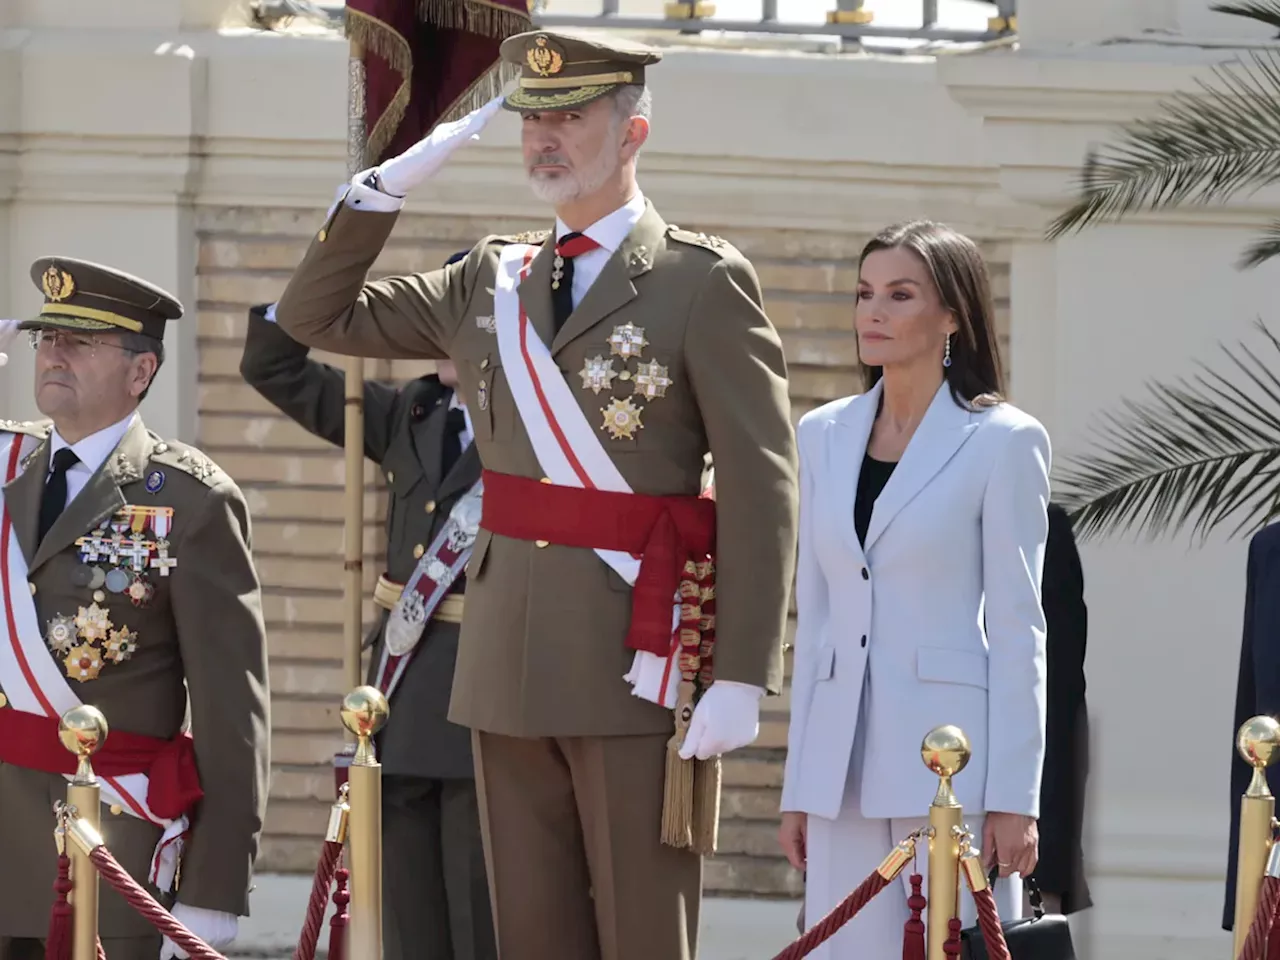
[(54, 500), (454, 423), (567, 247)]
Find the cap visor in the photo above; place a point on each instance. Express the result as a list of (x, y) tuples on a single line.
[(521, 99)]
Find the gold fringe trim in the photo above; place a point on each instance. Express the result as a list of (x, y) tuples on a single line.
[(488, 86), (481, 17), (706, 807), (377, 36), (678, 785)]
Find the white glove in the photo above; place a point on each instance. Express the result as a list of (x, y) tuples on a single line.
[(8, 332), (270, 315), (424, 159), (726, 718), (215, 928)]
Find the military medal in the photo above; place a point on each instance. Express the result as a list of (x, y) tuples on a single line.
[(621, 419), (117, 580), (163, 562), (652, 380), (61, 635), (482, 395), (404, 625), (120, 645), (597, 374), (627, 341), (83, 663), (97, 577), (140, 591)]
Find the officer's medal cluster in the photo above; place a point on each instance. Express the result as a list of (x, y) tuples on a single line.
[(120, 557), (649, 380)]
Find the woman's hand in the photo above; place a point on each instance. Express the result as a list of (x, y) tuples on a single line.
[(793, 836), (1011, 842)]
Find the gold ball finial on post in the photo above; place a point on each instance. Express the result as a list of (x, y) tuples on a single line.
[(82, 731), (1258, 743), (946, 751), (364, 712)]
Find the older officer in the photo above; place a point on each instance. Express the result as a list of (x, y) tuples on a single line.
[(129, 586), (436, 898), (600, 366)]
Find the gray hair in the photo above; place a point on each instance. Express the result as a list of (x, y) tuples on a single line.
[(632, 101), (138, 344)]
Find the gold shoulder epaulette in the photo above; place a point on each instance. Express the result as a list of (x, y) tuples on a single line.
[(32, 428), (528, 236), (188, 460), (706, 241)]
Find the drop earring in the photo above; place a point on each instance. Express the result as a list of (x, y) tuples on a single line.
[(946, 354)]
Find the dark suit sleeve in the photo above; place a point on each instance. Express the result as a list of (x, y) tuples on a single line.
[(217, 610), (312, 393)]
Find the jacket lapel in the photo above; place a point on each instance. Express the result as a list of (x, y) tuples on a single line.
[(614, 289), (535, 291), (101, 496), (428, 441), (944, 429), (848, 446), (464, 473), (22, 497)]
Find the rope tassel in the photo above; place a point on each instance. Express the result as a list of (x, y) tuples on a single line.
[(678, 785)]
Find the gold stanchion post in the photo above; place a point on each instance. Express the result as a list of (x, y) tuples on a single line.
[(1257, 741), (946, 752), (82, 731), (364, 711)]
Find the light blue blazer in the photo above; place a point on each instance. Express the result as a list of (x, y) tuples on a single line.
[(942, 607)]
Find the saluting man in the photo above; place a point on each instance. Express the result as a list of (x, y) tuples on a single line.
[(435, 895), (129, 586), (601, 364)]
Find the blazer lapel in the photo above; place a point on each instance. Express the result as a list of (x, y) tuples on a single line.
[(944, 429), (535, 291), (428, 442), (848, 446), (464, 473), (614, 289), (22, 497), (101, 496)]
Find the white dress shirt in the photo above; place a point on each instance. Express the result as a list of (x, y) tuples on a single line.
[(93, 451), (467, 434)]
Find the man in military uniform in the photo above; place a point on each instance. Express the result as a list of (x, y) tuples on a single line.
[(129, 587), (435, 895), (601, 364)]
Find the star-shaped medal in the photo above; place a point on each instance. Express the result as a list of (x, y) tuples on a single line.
[(597, 374), (621, 419), (652, 380), (83, 663), (121, 645), (627, 341)]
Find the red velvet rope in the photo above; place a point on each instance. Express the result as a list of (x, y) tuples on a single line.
[(1255, 944), (989, 921), (57, 946), (141, 901), (826, 928), (330, 857), (338, 924)]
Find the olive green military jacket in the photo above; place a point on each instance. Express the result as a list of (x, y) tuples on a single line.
[(543, 642), (193, 651)]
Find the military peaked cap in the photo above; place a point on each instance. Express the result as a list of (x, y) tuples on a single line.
[(79, 295), (563, 71)]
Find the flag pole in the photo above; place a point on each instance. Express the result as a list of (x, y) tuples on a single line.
[(353, 540)]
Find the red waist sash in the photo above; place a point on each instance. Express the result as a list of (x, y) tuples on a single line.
[(670, 534), (31, 741)]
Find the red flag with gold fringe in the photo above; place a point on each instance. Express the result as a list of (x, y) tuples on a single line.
[(427, 62)]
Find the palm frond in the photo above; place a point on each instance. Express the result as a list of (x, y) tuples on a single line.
[(1198, 452), (1262, 249), (1264, 11), (1204, 148)]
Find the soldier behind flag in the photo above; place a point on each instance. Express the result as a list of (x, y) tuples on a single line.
[(435, 893), (130, 586), (601, 363)]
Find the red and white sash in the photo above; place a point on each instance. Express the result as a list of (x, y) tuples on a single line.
[(568, 449), (33, 682)]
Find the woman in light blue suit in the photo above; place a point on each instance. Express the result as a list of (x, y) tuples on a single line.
[(922, 530)]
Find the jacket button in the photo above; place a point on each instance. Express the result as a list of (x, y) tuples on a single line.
[(864, 639), (545, 480), (418, 551), (4, 701), (33, 589), (391, 477), (116, 810), (540, 544), (99, 596), (484, 364), (430, 506), (865, 574), (416, 411)]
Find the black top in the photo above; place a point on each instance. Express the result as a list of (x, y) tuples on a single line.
[(871, 480)]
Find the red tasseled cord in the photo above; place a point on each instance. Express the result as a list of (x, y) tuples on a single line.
[(57, 945), (338, 924), (952, 947), (913, 947)]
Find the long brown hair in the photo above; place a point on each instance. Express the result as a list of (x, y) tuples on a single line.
[(976, 374)]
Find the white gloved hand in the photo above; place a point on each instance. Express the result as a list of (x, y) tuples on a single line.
[(423, 160), (215, 928), (8, 333), (726, 718)]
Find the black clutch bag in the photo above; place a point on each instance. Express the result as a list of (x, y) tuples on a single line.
[(1042, 936)]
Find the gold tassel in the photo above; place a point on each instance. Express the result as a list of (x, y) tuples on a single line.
[(677, 789), (706, 807)]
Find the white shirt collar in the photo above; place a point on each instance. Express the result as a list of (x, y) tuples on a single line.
[(610, 230), (94, 449), (469, 434)]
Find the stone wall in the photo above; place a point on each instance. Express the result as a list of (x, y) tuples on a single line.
[(293, 483)]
